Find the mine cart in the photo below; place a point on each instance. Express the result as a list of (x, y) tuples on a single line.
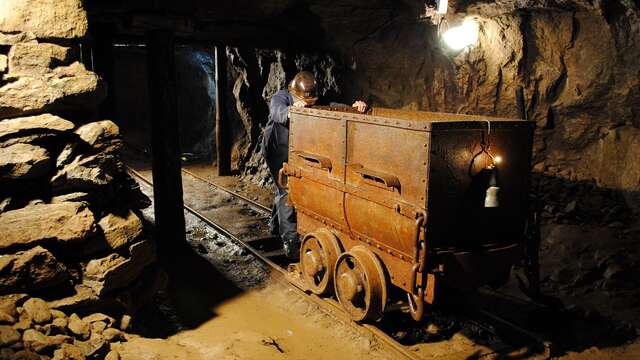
[(404, 198)]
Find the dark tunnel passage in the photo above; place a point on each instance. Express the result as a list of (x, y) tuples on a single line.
[(195, 83)]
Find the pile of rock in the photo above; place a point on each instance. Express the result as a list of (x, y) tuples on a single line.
[(30, 329), (581, 202), (70, 231)]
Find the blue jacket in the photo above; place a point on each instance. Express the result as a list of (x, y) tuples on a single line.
[(278, 124)]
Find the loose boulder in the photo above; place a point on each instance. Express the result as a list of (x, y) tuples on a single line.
[(9, 303), (85, 174), (40, 343), (64, 88), (37, 58), (24, 161), (30, 270), (84, 297), (68, 352), (30, 125), (8, 336), (65, 222), (38, 309), (45, 19), (101, 135), (120, 230), (79, 327), (115, 271)]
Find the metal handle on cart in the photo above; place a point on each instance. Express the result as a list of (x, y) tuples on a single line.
[(377, 178), (281, 175), (317, 161)]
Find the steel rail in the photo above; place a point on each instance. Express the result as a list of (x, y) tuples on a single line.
[(229, 191), (326, 306)]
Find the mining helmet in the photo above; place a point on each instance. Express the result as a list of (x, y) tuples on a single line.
[(304, 87)]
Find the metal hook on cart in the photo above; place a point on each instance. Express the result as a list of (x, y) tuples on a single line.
[(485, 148)]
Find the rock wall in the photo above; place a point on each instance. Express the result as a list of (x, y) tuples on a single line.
[(71, 238), (254, 76)]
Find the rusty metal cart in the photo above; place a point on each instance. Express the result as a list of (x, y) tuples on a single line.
[(408, 199)]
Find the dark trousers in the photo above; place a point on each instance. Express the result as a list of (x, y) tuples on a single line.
[(275, 149)]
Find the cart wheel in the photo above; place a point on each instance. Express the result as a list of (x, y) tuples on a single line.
[(318, 254), (360, 284)]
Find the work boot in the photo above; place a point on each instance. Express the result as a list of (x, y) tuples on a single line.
[(291, 249)]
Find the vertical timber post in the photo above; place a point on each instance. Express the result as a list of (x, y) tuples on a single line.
[(223, 139), (165, 145)]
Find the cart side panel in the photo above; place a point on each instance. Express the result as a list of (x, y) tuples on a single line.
[(317, 149), (457, 187), (386, 181)]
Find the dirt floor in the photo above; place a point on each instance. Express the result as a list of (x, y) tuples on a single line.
[(223, 304)]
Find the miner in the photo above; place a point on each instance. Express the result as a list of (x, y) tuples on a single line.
[(302, 92)]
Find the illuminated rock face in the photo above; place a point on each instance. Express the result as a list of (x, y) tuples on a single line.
[(44, 19), (63, 187)]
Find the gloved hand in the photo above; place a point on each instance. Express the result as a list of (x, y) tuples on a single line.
[(299, 103), (361, 106)]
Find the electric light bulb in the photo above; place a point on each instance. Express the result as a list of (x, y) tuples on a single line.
[(497, 159), (459, 37)]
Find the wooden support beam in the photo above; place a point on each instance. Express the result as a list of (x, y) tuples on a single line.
[(165, 144), (223, 135)]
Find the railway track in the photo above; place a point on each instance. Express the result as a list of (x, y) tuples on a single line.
[(248, 219)]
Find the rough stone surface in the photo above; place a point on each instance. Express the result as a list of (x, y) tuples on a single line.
[(33, 59), (45, 19), (26, 355), (95, 346), (8, 336), (58, 326), (6, 319), (112, 355), (9, 303), (38, 309), (101, 135), (95, 317), (65, 88), (25, 322), (68, 352), (97, 328), (57, 314), (83, 297), (79, 327), (120, 230), (30, 125), (40, 343), (85, 174), (72, 197), (65, 222), (115, 271), (125, 321), (16, 38), (30, 270), (611, 161), (112, 334), (4, 61), (24, 161)]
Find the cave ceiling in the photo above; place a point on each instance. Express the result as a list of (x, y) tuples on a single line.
[(296, 23)]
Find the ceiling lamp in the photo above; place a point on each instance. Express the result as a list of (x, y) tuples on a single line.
[(459, 37)]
